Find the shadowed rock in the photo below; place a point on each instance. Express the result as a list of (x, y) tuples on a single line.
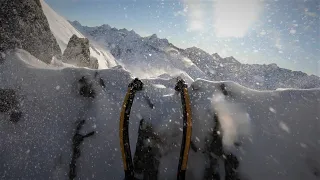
[(2, 57), (78, 53), (23, 25), (76, 153), (8, 100), (147, 155), (15, 116), (86, 88)]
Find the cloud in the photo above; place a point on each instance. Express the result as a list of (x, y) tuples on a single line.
[(195, 14), (233, 18)]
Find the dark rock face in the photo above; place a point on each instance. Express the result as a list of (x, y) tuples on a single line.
[(24, 25), (147, 155), (2, 56), (77, 140), (86, 88), (15, 116), (94, 63), (8, 100), (78, 53), (9, 104)]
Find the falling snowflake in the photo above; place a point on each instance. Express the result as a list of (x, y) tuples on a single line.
[(284, 127), (293, 31), (262, 33), (272, 110), (303, 145), (197, 139)]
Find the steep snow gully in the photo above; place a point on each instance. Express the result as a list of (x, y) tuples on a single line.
[(271, 134)]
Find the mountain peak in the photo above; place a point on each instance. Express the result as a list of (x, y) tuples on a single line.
[(106, 26), (274, 65), (124, 30), (75, 23), (232, 60), (153, 36), (195, 49), (215, 54)]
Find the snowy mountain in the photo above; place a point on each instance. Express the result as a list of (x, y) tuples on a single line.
[(60, 121), (154, 56), (142, 56), (255, 76)]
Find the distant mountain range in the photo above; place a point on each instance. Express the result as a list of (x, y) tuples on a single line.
[(152, 57)]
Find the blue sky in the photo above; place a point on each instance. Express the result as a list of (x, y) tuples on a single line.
[(286, 32)]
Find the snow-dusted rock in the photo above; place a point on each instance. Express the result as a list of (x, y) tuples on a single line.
[(24, 25), (78, 53)]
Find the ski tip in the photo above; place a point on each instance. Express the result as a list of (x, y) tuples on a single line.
[(180, 84), (136, 85)]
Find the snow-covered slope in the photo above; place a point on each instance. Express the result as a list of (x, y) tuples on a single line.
[(63, 30), (276, 132)]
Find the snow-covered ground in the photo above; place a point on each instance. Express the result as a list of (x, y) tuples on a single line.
[(278, 131)]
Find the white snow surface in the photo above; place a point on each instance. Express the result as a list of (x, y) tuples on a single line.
[(63, 30), (278, 131)]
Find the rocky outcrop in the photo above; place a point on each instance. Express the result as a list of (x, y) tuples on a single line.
[(78, 53), (24, 25), (8, 100), (9, 104)]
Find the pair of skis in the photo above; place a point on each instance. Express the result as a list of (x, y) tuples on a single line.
[(135, 86)]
